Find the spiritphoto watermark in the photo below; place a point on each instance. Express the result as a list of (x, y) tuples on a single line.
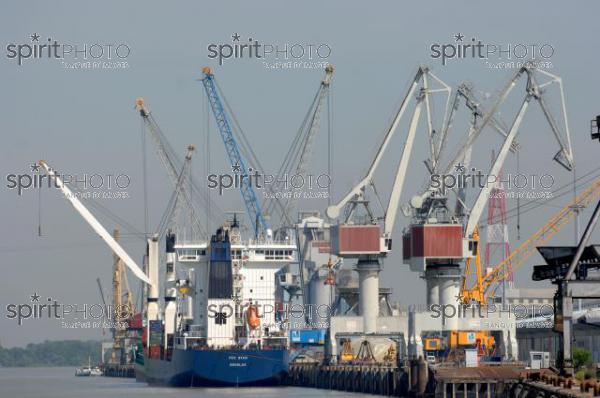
[(84, 185), (495, 55), (512, 186), (286, 186), (285, 55), (286, 316), (89, 55), (70, 315)]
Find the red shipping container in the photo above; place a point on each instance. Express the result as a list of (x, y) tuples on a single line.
[(436, 241), (354, 240)]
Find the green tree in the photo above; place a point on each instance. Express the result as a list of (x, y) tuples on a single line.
[(581, 358), (51, 353)]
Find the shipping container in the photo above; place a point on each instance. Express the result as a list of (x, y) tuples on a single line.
[(355, 240), (307, 336)]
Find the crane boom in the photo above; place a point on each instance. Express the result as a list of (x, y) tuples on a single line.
[(333, 211), (308, 142), (484, 193), (564, 155), (422, 96), (95, 224), (233, 152), (169, 160)]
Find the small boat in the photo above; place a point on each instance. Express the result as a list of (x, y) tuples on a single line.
[(88, 370), (95, 371), (83, 371)]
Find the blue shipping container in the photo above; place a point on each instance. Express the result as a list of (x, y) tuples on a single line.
[(308, 336)]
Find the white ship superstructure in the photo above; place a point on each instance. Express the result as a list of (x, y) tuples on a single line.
[(231, 299)]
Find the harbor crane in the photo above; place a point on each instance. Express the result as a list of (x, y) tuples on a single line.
[(151, 279), (120, 306), (171, 163), (95, 224), (534, 90), (433, 223), (236, 161), (300, 152), (368, 241)]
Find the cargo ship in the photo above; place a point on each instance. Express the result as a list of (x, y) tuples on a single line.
[(221, 324)]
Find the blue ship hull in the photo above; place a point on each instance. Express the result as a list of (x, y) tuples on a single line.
[(216, 368)]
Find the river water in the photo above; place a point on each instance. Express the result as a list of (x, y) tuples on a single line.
[(62, 383)]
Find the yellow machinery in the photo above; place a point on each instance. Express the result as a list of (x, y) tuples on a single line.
[(347, 354), (432, 344), (456, 340), (471, 339), (122, 301), (480, 292)]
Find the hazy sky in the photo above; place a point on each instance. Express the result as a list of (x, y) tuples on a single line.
[(83, 120)]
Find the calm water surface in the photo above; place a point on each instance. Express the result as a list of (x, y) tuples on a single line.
[(61, 383)]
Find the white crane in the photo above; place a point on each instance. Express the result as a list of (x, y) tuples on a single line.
[(422, 97), (440, 264), (369, 242), (564, 156), (533, 90), (96, 226)]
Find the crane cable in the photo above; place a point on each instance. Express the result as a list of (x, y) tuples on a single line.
[(245, 147), (173, 158), (329, 142), (293, 152), (583, 180)]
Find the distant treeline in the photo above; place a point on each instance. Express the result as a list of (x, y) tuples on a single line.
[(52, 353)]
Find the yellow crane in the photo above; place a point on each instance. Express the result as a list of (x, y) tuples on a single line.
[(480, 291)]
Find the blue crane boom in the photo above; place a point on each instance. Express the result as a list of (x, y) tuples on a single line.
[(233, 152)]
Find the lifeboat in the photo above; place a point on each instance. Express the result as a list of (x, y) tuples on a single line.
[(252, 317)]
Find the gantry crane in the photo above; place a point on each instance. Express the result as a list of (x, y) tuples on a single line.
[(237, 162), (367, 240)]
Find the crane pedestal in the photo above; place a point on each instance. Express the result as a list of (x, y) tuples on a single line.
[(443, 286), (368, 284)]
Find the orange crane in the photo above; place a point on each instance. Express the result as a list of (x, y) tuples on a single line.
[(481, 290)]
